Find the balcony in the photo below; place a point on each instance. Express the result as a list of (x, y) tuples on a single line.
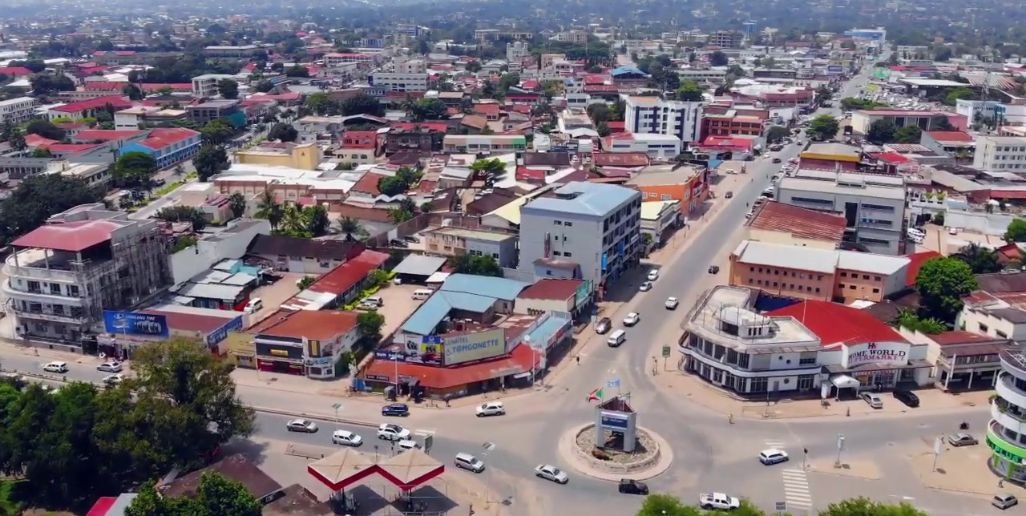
[(1006, 388), (50, 316), (1008, 416), (1001, 445), (40, 296)]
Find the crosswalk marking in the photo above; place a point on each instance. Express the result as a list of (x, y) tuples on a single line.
[(770, 443), (796, 488)]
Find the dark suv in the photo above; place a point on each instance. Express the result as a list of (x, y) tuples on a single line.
[(628, 486), (395, 409), (907, 397)]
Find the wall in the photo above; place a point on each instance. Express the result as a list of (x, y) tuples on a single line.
[(782, 281), (533, 306), (982, 323), (853, 285)]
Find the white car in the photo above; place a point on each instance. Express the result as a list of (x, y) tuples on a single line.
[(773, 456), (550, 472), (646, 286), (653, 275), (110, 367), (56, 367), (113, 379), (346, 438), (631, 319), (390, 432), (492, 408), (408, 444), (671, 303), (301, 425)]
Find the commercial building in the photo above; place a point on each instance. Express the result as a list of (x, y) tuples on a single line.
[(653, 115), (87, 108), (483, 144), (587, 231), (784, 224), (926, 120), (659, 219), (401, 82), (1006, 432), (17, 110), (726, 39), (168, 146), (424, 136), (805, 347), (873, 206), (728, 121), (141, 117), (827, 275), (206, 86), (360, 147), (1000, 153), (285, 184), (687, 185), (227, 110), (656, 146), (305, 156), (335, 59), (302, 255), (302, 342), (236, 51), (455, 241), (64, 274)]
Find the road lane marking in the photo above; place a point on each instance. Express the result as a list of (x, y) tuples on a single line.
[(796, 488)]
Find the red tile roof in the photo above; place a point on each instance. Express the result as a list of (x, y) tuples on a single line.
[(800, 222), (102, 505), (104, 85), (953, 337), (529, 174), (728, 142), (368, 184), (916, 262), (34, 140), (546, 288), (439, 127), (175, 86), (835, 323), (344, 277), (104, 135), (520, 360), (15, 71), (486, 108), (72, 148), (893, 157), (620, 159), (950, 136), (321, 325), (116, 101), (68, 236), (162, 137), (184, 321)]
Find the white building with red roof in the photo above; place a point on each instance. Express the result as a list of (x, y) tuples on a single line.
[(168, 146), (87, 108)]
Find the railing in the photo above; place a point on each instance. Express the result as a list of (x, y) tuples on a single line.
[(52, 317)]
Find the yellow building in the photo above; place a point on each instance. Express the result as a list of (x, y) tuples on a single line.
[(303, 156)]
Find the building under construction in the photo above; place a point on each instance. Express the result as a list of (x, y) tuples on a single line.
[(64, 274)]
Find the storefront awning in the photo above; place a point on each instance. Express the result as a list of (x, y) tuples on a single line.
[(843, 381)]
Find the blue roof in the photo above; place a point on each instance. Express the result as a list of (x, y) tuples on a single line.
[(489, 286), (541, 334), (438, 306), (598, 199), (627, 70)]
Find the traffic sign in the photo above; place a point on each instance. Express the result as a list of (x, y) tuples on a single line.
[(666, 351)]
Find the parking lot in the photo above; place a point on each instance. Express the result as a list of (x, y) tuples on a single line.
[(275, 294), (398, 305)]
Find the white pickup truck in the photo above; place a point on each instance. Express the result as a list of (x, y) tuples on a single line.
[(718, 501)]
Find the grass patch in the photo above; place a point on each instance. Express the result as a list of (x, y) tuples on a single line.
[(8, 504), (168, 188)]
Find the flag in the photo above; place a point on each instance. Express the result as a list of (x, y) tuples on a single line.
[(595, 395)]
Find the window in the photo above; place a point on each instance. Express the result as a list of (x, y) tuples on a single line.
[(567, 254), (805, 382), (876, 291), (568, 223), (1001, 334), (757, 385), (55, 288), (865, 276), (558, 222), (851, 287), (983, 327)]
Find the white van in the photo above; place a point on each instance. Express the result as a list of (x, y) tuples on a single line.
[(422, 293), (254, 305), (616, 338)]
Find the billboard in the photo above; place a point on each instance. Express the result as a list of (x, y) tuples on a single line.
[(120, 322), (474, 346), (215, 337), (894, 353)]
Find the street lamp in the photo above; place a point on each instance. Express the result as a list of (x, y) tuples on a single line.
[(840, 446), (337, 407), (534, 358)]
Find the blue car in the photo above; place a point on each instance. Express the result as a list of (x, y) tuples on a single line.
[(395, 409)]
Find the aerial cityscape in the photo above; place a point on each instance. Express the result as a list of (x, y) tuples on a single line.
[(605, 258)]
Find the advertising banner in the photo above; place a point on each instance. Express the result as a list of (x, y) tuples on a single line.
[(215, 337), (474, 346), (130, 323), (886, 353)]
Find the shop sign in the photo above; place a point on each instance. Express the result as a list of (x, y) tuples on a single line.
[(474, 346), (377, 378), (279, 352), (582, 293), (120, 322), (894, 353), (320, 361), (615, 420), (215, 337), (391, 356)]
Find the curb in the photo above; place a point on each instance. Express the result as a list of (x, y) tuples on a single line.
[(313, 415), (662, 463)]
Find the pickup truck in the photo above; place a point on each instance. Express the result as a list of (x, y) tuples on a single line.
[(718, 501)]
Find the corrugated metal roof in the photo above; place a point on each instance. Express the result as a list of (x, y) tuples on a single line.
[(787, 257), (438, 306), (489, 286), (799, 222), (419, 265), (595, 199)]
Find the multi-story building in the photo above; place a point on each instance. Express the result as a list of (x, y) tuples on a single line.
[(575, 36), (409, 66), (483, 144), (141, 117), (236, 51), (728, 121), (455, 241), (305, 156), (823, 274), (653, 115), (703, 75), (926, 120), (655, 146), (1006, 433), (687, 185), (517, 50), (205, 86), (17, 110), (582, 230), (873, 206), (423, 136), (726, 39), (335, 59), (168, 145), (65, 273), (217, 110), (87, 108), (359, 147), (1000, 153), (394, 81)]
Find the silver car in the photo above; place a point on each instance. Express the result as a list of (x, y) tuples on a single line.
[(550, 472)]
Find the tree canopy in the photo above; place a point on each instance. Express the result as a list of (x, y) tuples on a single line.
[(181, 213), (134, 169), (823, 127), (39, 197), (479, 265), (666, 505), (46, 129), (1016, 231), (217, 132), (941, 283), (362, 105), (228, 88), (776, 134), (718, 58), (689, 91), (210, 161), (283, 132), (216, 496), (908, 134), (428, 109), (980, 260)]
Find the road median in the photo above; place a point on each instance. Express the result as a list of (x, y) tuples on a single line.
[(315, 415)]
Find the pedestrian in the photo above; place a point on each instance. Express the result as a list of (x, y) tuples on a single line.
[(578, 358)]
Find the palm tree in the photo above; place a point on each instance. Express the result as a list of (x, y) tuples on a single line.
[(293, 221), (349, 225), (237, 204), (980, 259), (268, 208)]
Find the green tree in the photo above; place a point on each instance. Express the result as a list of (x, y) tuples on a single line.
[(362, 105), (942, 283), (400, 214), (46, 84), (41, 152), (283, 132), (317, 221), (428, 109), (689, 91), (908, 134), (268, 208), (133, 92), (493, 170), (237, 203), (507, 81), (776, 134), (718, 58), (297, 71), (979, 259), (660, 505), (350, 226), (391, 185), (216, 496), (321, 104), (866, 507), (263, 86), (228, 88), (36, 198), (134, 169), (881, 131), (210, 161), (474, 66), (823, 127), (910, 320), (46, 129), (305, 282), (192, 391), (217, 132), (479, 265), (182, 213), (370, 323), (956, 94), (599, 112), (823, 94), (1016, 231)]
